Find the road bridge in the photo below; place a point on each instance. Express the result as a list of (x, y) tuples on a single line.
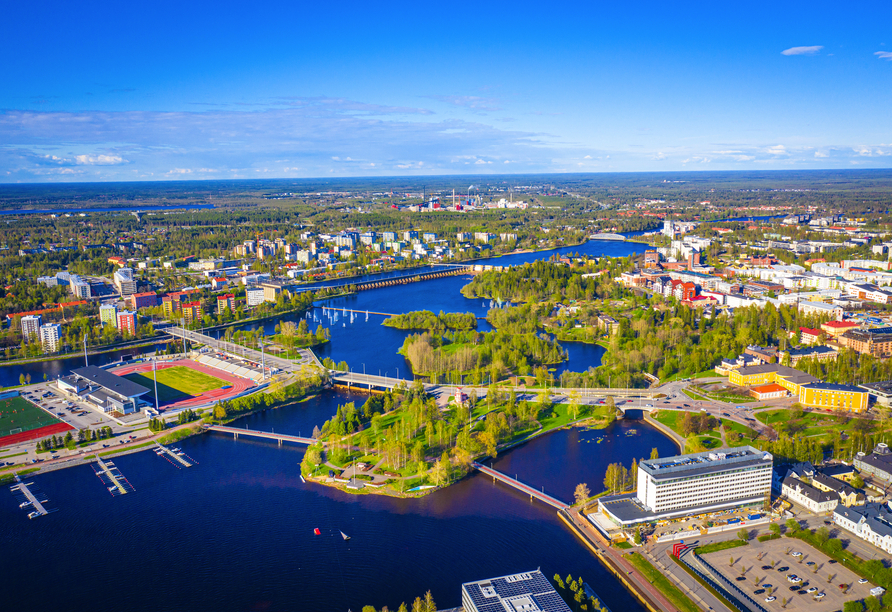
[(267, 435), (617, 237), (414, 278), (523, 488)]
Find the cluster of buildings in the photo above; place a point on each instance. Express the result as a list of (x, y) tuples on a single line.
[(48, 334), (773, 380)]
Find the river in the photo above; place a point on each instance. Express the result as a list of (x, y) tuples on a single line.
[(235, 532)]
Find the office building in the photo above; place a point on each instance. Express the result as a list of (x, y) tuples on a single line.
[(254, 296), (876, 342), (808, 389), (125, 282), (50, 336), (107, 391), (526, 592), (693, 484), (146, 299), (31, 327)]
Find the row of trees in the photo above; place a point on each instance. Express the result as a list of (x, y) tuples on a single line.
[(68, 440)]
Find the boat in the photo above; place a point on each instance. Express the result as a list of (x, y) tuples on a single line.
[(345, 536), (302, 478), (317, 532)]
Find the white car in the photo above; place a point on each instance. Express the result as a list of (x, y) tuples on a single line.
[(862, 581), (770, 599), (811, 590), (819, 596), (797, 554)]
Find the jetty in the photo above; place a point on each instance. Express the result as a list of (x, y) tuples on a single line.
[(175, 456), (23, 490), (112, 478)]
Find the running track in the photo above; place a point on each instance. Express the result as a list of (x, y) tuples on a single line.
[(238, 385)]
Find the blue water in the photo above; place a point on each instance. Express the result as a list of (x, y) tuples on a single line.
[(235, 532)]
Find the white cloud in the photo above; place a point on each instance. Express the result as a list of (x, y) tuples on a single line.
[(802, 50), (100, 160), (481, 162), (821, 154), (777, 150), (884, 55), (179, 171), (587, 157), (658, 156), (474, 103)]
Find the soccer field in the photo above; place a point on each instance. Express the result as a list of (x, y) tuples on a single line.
[(17, 414), (177, 382)]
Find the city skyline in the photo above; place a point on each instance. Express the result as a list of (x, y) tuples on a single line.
[(214, 92)]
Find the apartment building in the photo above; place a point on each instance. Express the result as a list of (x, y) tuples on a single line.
[(50, 337)]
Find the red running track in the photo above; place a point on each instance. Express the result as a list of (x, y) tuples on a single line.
[(33, 434), (238, 385)]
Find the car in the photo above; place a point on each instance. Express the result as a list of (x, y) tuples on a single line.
[(739, 578), (820, 596), (827, 523), (767, 567), (842, 586), (768, 586), (862, 581), (783, 569), (795, 579), (811, 590), (809, 563), (725, 414), (794, 588), (796, 553), (832, 561), (770, 599), (758, 591)]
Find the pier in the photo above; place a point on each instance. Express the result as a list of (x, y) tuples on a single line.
[(175, 456), (112, 478), (22, 489), (267, 435), (523, 488)]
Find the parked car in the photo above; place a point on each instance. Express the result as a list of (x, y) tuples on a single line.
[(820, 596), (796, 554), (770, 599), (862, 581)]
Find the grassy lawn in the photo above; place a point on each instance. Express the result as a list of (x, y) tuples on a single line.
[(719, 546), (656, 578), (812, 423), (734, 427), (177, 382), (710, 442), (19, 413)]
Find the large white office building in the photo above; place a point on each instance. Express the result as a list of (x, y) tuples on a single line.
[(694, 484)]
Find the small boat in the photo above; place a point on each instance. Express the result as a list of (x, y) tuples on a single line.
[(345, 536), (302, 478), (317, 532)]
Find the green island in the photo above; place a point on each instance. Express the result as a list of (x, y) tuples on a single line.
[(402, 443), (425, 319)]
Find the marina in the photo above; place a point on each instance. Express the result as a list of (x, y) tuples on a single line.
[(175, 456), (30, 497), (112, 478)]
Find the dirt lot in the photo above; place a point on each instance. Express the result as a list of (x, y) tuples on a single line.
[(823, 574)]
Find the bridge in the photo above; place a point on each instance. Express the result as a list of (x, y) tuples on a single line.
[(266, 435), (617, 237), (414, 278), (372, 381), (516, 484), (306, 356)]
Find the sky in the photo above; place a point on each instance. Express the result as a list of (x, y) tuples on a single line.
[(119, 91)]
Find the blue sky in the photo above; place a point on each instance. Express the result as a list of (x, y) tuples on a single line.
[(171, 90)]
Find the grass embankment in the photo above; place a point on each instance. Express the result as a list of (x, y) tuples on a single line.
[(806, 423), (705, 396), (673, 418), (719, 546), (124, 448), (733, 427), (10, 476), (669, 590)]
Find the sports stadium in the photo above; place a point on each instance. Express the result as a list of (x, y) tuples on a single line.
[(184, 383), (20, 420)]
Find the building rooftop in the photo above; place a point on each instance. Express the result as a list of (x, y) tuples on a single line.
[(684, 466), (883, 388), (821, 386), (525, 592), (808, 491), (111, 382), (839, 324)]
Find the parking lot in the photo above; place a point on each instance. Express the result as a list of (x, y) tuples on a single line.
[(778, 563), (77, 414)]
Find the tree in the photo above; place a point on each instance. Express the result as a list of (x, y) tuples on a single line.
[(792, 525), (853, 606), (439, 472), (774, 528), (858, 482), (743, 534), (873, 604), (654, 453), (582, 493)]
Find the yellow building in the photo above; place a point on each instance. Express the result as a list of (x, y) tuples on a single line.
[(810, 391), (834, 397)]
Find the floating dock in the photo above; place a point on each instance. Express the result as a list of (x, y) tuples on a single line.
[(112, 478), (30, 498), (177, 457)]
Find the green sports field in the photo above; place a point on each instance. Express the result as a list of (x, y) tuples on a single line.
[(18, 413), (177, 382)]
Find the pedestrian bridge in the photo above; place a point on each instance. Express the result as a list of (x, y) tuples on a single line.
[(617, 237), (267, 435), (523, 488)]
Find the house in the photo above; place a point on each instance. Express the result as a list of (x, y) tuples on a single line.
[(870, 522), (848, 495), (769, 391), (807, 496)]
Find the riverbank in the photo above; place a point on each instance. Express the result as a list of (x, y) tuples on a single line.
[(141, 343)]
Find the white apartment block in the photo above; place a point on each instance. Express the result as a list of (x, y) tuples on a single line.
[(124, 281), (50, 336), (31, 326), (254, 296)]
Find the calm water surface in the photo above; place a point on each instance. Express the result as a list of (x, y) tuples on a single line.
[(236, 531)]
